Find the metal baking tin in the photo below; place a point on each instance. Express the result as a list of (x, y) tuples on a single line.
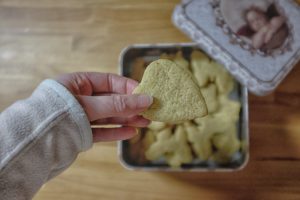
[(220, 28), (151, 52)]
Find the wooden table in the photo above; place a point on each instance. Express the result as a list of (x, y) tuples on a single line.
[(43, 38)]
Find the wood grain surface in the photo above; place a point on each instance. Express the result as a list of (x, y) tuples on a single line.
[(40, 39)]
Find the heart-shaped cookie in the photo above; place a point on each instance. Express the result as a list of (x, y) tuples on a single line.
[(176, 94)]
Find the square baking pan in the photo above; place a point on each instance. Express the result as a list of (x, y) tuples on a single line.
[(126, 151)]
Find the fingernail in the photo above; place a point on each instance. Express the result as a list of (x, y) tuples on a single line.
[(144, 101), (146, 122), (143, 122)]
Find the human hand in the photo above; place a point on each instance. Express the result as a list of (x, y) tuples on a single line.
[(107, 99)]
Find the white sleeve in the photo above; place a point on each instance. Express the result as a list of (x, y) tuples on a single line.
[(39, 138)]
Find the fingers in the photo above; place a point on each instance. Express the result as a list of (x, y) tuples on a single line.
[(100, 107), (105, 82), (89, 83), (113, 134), (122, 133), (135, 121)]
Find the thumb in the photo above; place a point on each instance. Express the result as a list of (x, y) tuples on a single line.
[(99, 107)]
